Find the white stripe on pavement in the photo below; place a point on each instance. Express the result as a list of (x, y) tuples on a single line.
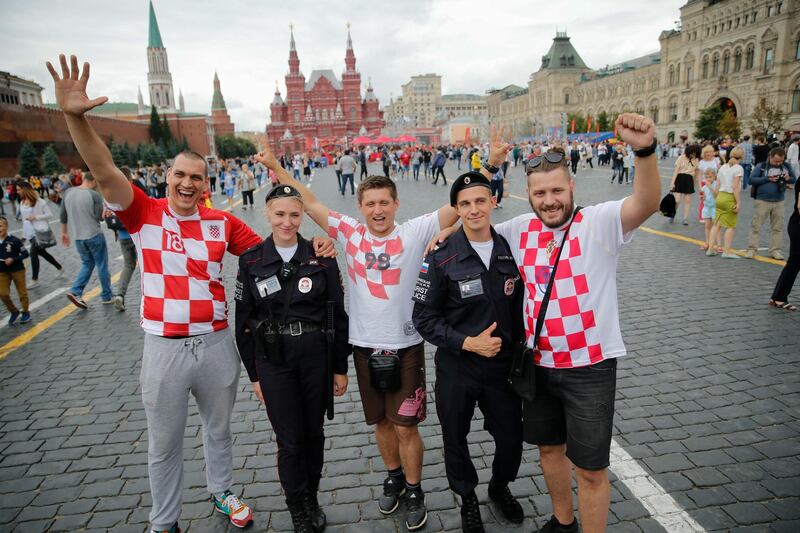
[(662, 507), (37, 304)]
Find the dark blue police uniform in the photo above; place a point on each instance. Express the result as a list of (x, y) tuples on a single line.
[(456, 296)]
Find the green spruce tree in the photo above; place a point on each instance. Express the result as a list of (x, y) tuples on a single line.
[(50, 161), (28, 161)]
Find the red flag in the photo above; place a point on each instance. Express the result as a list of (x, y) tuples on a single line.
[(615, 132), (572, 126), (466, 136), (588, 124), (597, 127)]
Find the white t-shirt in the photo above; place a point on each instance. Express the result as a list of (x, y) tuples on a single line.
[(484, 250), (725, 175), (382, 272), (286, 252), (582, 321)]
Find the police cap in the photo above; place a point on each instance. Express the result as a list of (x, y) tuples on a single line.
[(282, 191), (465, 181)]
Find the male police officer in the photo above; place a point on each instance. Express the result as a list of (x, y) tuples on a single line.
[(468, 290)]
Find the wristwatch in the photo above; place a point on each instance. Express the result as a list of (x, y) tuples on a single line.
[(490, 168), (650, 150)]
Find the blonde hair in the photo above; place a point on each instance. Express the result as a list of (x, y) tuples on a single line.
[(737, 153), (706, 149)]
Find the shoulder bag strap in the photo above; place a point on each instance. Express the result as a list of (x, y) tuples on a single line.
[(546, 298)]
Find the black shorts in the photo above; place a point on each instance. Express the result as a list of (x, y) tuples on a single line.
[(574, 406)]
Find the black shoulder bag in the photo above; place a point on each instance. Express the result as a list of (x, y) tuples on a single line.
[(523, 372)]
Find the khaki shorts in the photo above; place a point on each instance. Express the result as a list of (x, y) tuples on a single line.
[(403, 407)]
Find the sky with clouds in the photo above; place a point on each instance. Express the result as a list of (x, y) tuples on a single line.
[(473, 45)]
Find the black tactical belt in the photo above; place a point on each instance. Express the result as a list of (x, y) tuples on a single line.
[(295, 329)]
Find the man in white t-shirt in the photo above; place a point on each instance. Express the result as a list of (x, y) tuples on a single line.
[(383, 260), (571, 416)]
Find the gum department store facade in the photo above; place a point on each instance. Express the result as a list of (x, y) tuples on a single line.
[(726, 52)]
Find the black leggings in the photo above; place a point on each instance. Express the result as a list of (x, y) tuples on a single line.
[(789, 273), (574, 165), (247, 195), (36, 251), (439, 172)]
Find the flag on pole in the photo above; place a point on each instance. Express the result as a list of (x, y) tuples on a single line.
[(597, 127), (466, 136), (572, 126), (588, 124)]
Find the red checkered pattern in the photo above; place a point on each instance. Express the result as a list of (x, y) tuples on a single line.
[(357, 245), (180, 259), (569, 337)]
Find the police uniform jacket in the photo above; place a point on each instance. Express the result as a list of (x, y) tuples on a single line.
[(457, 297), (260, 291)]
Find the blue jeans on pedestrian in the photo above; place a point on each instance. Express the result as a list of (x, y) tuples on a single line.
[(415, 169), (747, 167), (93, 253), (345, 179)]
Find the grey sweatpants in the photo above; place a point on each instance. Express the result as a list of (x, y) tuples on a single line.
[(208, 366), (129, 265)]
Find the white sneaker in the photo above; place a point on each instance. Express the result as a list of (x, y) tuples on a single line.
[(33, 283)]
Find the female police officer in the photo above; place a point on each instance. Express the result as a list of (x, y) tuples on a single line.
[(291, 330)]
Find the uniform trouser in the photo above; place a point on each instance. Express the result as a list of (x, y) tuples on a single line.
[(129, 265), (294, 393), (789, 273), (460, 385), (497, 190), (18, 278), (247, 197), (774, 211), (207, 366)]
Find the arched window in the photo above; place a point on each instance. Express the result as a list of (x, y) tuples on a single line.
[(726, 62), (705, 67), (166, 98), (797, 49), (715, 65), (158, 99), (796, 98), (749, 57), (296, 116), (737, 60), (673, 111), (671, 75), (768, 57), (689, 76), (353, 112), (654, 112)]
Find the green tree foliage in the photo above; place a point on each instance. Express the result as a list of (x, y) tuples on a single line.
[(155, 125), (118, 154), (602, 120), (230, 146), (729, 125), (28, 161), (766, 118), (707, 124), (50, 162), (580, 122)]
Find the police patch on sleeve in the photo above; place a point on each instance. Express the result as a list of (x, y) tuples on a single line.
[(238, 290), (421, 290)]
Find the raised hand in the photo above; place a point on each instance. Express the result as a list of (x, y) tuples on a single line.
[(636, 130), (71, 90), (484, 344), (267, 158), (498, 148)]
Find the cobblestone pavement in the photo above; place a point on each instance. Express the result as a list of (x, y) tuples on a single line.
[(706, 414)]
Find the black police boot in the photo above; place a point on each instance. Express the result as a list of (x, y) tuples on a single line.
[(471, 514), (315, 514), (554, 526), (300, 519), (507, 503)]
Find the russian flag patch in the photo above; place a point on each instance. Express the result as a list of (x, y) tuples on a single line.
[(424, 268)]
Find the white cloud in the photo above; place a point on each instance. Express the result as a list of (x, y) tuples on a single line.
[(473, 45)]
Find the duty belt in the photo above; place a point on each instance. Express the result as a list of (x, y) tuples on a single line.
[(295, 329)]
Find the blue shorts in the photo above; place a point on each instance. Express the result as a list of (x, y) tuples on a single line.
[(708, 212), (229, 192)]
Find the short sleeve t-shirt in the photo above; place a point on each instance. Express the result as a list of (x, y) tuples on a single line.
[(726, 175), (382, 272), (180, 259), (581, 326)]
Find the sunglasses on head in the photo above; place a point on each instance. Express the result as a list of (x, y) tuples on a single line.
[(551, 157)]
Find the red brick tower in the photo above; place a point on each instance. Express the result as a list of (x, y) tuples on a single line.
[(351, 86), (219, 113)]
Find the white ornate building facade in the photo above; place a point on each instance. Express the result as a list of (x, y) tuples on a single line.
[(730, 53)]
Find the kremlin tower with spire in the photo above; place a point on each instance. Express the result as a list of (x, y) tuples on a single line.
[(321, 110)]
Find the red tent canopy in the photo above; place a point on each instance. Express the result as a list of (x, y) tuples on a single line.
[(363, 139), (383, 140), (407, 138)]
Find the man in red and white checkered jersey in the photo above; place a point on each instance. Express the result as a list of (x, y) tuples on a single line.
[(383, 260), (187, 347), (571, 415)]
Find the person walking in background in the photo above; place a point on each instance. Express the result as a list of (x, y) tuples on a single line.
[(683, 179), (36, 217), (770, 180), (247, 184), (780, 295), (497, 187), (709, 192), (347, 164), (362, 161), (81, 213), (438, 166), (12, 269), (729, 179), (747, 160)]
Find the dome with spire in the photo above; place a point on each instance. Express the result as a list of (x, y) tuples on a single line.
[(217, 101), (370, 96), (277, 100)]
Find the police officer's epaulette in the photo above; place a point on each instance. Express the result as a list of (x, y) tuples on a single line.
[(441, 254), (252, 249)]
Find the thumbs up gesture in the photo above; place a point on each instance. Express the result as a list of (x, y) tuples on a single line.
[(484, 344)]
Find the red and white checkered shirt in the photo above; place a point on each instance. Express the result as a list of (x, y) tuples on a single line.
[(180, 260), (581, 326), (382, 272)]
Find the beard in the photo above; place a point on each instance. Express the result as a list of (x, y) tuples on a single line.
[(563, 219)]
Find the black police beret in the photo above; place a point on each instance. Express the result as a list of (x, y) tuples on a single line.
[(282, 191), (465, 181)]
